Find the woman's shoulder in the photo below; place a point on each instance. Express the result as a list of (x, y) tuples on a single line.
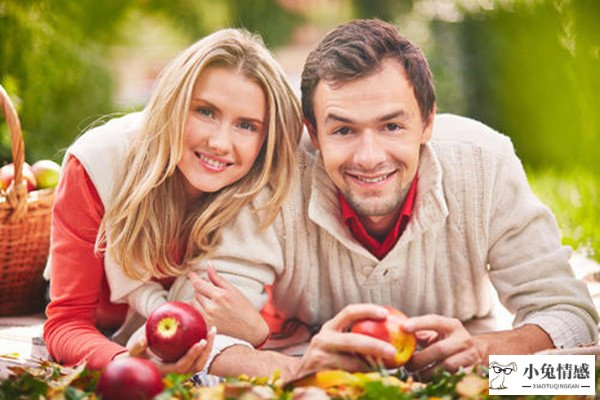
[(108, 135), (102, 151)]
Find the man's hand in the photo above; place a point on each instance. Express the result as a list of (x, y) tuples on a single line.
[(191, 362), (224, 306), (335, 348), (445, 343)]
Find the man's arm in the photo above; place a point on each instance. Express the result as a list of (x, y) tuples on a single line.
[(528, 266), (332, 348)]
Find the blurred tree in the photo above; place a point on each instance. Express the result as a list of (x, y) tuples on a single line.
[(52, 58), (533, 74), (266, 17), (386, 10)]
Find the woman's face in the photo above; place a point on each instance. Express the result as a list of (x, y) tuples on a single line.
[(225, 129)]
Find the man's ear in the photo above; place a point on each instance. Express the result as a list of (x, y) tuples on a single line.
[(312, 132), (428, 129)]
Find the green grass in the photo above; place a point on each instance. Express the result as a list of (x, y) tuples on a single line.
[(574, 197)]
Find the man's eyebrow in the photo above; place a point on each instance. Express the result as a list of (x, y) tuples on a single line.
[(396, 114), (338, 118)]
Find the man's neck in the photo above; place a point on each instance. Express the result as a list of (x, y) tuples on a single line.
[(379, 226)]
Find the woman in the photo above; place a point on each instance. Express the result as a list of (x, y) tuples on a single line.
[(144, 197)]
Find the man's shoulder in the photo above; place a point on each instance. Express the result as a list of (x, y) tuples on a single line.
[(462, 131)]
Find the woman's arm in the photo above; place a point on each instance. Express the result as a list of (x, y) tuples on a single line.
[(78, 289)]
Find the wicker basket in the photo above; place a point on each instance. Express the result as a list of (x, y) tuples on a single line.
[(24, 231)]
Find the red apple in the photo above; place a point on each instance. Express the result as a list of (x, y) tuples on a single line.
[(173, 328), (7, 174), (390, 330), (129, 378), (46, 173)]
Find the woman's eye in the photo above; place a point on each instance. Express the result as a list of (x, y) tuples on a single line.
[(207, 112), (247, 126)]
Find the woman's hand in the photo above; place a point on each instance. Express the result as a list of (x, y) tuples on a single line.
[(191, 362), (224, 306), (336, 348)]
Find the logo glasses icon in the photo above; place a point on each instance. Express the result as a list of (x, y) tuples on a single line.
[(501, 371)]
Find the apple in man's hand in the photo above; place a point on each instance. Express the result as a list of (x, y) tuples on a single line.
[(173, 328), (390, 330), (46, 173), (129, 378), (7, 174)]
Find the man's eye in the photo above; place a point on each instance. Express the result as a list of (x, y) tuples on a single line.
[(342, 131), (392, 127), (247, 126)]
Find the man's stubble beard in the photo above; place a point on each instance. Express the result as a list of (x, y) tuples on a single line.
[(363, 208)]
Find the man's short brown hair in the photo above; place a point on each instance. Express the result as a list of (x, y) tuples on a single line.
[(357, 49)]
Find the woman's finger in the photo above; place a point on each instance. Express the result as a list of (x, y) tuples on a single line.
[(218, 280), (203, 287), (210, 338), (138, 347), (187, 363)]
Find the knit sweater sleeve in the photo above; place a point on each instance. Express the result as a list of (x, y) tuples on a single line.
[(78, 288), (529, 267)]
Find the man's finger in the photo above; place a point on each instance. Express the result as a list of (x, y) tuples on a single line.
[(431, 322), (352, 313), (345, 342), (437, 353)]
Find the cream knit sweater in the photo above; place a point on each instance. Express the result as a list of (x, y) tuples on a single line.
[(476, 224)]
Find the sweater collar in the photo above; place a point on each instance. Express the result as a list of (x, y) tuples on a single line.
[(430, 206)]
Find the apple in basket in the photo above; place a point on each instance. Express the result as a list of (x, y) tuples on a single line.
[(7, 174), (129, 378), (173, 328), (390, 330), (46, 173)]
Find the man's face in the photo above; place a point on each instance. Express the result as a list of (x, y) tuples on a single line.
[(369, 132)]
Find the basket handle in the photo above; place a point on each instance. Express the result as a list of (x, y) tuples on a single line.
[(17, 191)]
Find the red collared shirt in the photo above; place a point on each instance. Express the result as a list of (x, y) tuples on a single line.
[(358, 231)]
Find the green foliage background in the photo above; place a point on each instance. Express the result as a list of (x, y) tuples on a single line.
[(530, 69)]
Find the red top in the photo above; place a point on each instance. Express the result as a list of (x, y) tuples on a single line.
[(377, 248), (79, 290)]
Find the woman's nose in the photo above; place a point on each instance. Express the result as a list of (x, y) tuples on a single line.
[(219, 140)]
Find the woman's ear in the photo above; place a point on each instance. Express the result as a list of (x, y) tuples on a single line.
[(312, 132)]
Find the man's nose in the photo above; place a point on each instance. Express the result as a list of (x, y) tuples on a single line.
[(219, 140), (370, 151)]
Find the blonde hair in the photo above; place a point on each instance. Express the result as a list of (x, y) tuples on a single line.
[(146, 220)]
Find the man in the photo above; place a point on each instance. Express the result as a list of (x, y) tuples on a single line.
[(404, 208)]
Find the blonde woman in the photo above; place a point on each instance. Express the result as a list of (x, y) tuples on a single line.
[(144, 197)]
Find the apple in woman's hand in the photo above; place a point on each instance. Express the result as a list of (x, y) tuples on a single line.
[(129, 378), (173, 328), (390, 330)]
